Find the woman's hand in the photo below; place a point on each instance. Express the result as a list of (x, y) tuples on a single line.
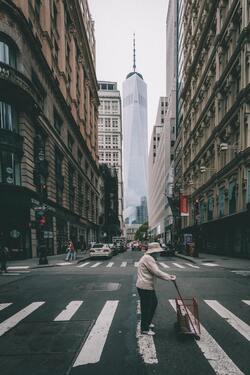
[(172, 277)]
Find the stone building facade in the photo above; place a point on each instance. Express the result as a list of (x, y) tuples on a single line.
[(48, 125), (214, 124)]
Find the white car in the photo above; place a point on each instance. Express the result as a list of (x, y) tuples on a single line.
[(100, 250)]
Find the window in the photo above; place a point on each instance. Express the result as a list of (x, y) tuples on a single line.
[(221, 202), (115, 123), (79, 157), (232, 197), (115, 139), (54, 15), (106, 105), (8, 118), (57, 122), (37, 8), (7, 52), (9, 168), (71, 185), (58, 163), (80, 195), (114, 106), (107, 122), (210, 208), (108, 139), (70, 142)]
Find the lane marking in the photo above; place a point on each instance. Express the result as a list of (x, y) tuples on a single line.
[(11, 274), (83, 265), (145, 343), (178, 265), (11, 322), (192, 265), (110, 264), (231, 319), (18, 267), (136, 264), (69, 311), (123, 264), (96, 265), (92, 349), (163, 265), (4, 305), (212, 351), (246, 301), (211, 264)]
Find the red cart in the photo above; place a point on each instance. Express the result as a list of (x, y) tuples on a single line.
[(187, 316)]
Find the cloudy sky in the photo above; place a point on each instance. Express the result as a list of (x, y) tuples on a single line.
[(115, 23)]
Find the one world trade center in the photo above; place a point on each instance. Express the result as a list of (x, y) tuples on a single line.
[(135, 146)]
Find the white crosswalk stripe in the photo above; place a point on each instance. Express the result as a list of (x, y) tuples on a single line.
[(124, 264), (145, 343), (246, 301), (110, 264), (93, 346), (11, 322), (178, 265), (18, 268), (215, 355), (236, 323), (192, 265), (164, 265), (4, 305), (83, 265), (96, 264), (69, 311)]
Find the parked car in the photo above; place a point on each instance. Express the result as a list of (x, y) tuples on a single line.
[(100, 250)]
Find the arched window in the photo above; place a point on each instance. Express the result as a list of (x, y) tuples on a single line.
[(8, 118), (8, 51)]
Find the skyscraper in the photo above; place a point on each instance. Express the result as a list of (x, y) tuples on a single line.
[(135, 132), (110, 133)]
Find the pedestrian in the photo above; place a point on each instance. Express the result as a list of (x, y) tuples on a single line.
[(147, 272), (71, 253), (3, 257)]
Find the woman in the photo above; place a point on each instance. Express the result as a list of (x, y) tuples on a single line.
[(147, 273)]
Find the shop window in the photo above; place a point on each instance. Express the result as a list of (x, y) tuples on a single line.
[(7, 52), (8, 118), (232, 197), (9, 168)]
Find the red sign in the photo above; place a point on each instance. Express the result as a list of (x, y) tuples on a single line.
[(184, 205)]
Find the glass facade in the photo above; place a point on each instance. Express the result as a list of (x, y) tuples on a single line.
[(180, 62)]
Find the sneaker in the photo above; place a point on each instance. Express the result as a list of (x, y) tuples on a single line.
[(149, 332), (151, 325)]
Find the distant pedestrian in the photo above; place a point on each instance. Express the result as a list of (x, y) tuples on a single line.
[(71, 252), (3, 257), (147, 272)]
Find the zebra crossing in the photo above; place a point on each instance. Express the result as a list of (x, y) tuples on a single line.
[(124, 264), (93, 345)]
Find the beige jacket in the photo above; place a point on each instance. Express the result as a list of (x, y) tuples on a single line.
[(147, 273)]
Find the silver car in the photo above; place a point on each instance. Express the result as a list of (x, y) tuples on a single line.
[(100, 250)]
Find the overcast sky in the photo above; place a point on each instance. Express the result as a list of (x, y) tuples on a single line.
[(115, 23)]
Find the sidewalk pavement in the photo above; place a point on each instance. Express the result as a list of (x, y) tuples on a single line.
[(53, 261), (221, 260)]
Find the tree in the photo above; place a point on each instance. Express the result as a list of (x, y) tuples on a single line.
[(142, 232)]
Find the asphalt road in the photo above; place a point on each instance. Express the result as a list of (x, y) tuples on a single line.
[(84, 319)]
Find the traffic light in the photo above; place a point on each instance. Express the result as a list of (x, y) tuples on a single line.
[(42, 220)]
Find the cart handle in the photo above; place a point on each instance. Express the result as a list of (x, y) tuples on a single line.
[(185, 307)]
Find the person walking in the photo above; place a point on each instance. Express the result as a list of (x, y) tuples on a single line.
[(71, 253), (3, 257), (147, 272)]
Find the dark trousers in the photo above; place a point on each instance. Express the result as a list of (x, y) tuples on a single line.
[(149, 303)]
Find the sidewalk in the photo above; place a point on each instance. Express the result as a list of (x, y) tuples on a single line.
[(53, 261), (221, 260)]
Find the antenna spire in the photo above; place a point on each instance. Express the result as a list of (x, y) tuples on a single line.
[(134, 63)]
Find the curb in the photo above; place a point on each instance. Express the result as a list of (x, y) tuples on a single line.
[(178, 255)]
